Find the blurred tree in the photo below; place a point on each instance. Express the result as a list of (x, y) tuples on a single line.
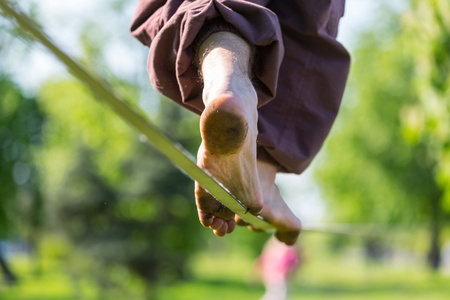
[(20, 135), (118, 200), (388, 160), (427, 27)]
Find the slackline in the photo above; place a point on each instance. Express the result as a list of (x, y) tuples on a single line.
[(179, 156)]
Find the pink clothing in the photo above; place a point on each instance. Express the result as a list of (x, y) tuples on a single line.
[(278, 261)]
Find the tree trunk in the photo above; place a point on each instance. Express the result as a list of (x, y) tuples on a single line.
[(9, 276), (434, 253)]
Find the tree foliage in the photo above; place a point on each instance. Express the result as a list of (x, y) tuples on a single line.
[(387, 161), (21, 122), (117, 199), (427, 27)]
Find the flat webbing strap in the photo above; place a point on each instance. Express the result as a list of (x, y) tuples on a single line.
[(180, 157)]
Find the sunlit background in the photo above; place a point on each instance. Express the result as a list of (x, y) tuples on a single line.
[(88, 211)]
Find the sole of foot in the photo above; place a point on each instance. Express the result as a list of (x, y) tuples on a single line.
[(228, 153)]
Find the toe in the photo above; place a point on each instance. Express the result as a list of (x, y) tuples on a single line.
[(217, 224), (231, 226), (222, 231), (287, 237), (205, 218)]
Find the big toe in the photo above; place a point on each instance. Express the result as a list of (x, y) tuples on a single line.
[(289, 234), (288, 237), (205, 218)]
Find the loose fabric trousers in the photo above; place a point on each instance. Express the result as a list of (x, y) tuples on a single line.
[(299, 69)]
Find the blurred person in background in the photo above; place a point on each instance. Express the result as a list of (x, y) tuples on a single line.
[(277, 263)]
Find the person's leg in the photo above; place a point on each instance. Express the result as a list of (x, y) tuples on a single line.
[(275, 291), (229, 133)]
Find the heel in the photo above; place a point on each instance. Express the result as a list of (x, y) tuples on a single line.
[(223, 129)]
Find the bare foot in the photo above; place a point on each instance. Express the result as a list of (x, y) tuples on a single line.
[(275, 210), (228, 126)]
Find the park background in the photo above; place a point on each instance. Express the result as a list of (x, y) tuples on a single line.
[(89, 211)]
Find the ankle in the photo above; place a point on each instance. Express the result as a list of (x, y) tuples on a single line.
[(225, 49), (267, 173), (225, 64)]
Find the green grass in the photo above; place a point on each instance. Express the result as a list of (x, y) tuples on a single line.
[(321, 278), (49, 281), (231, 275), (340, 281)]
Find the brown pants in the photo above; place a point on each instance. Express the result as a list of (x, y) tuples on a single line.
[(299, 69)]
